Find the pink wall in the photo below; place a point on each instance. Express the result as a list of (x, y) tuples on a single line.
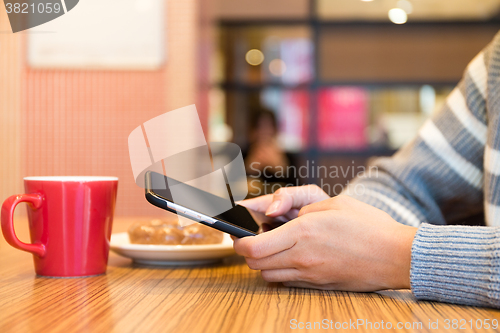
[(76, 122)]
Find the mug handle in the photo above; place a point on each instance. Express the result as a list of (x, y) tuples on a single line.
[(8, 208)]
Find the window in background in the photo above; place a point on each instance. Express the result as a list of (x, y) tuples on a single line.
[(287, 60), (347, 83), (359, 117), (343, 118), (264, 55), (291, 108), (267, 67)]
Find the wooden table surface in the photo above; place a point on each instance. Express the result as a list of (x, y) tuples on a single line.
[(226, 297)]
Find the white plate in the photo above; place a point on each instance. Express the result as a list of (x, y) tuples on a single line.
[(171, 254)]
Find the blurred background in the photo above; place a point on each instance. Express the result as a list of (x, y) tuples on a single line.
[(293, 82)]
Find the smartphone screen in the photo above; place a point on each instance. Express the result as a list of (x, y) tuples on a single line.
[(239, 216)]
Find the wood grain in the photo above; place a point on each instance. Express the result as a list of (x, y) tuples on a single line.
[(227, 297)]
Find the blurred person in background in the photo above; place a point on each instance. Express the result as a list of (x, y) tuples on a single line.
[(265, 161), (398, 228)]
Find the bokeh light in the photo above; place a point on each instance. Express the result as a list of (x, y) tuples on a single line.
[(277, 67), (254, 57), (406, 6), (398, 16)]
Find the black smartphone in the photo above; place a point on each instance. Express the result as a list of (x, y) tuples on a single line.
[(238, 221)]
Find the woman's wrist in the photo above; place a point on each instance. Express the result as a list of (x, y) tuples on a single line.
[(402, 257)]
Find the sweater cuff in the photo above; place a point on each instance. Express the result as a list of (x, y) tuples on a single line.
[(456, 264)]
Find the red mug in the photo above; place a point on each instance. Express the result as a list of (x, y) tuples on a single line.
[(70, 220)]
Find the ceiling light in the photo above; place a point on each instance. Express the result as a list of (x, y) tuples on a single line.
[(397, 16)]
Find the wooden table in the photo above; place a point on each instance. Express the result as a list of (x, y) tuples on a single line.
[(227, 297)]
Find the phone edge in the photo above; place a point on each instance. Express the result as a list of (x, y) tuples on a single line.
[(220, 225)]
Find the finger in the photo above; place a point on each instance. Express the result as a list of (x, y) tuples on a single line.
[(280, 275), (317, 207), (266, 222), (335, 203), (292, 214), (259, 204), (287, 198), (281, 260), (267, 243)]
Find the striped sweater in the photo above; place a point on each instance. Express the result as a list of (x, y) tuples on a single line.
[(448, 173)]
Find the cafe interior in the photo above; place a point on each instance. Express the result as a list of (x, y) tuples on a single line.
[(337, 82)]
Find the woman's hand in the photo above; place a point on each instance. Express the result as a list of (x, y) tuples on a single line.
[(338, 243), (287, 201)]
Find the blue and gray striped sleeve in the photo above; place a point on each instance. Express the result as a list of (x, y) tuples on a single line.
[(457, 264), (438, 176), (439, 179)]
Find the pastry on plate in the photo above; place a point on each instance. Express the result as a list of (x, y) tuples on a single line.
[(170, 232)]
